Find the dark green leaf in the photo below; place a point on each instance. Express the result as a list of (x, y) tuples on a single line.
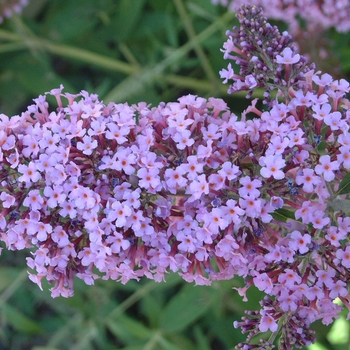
[(128, 328), (201, 339), (71, 19), (128, 18), (344, 186), (283, 215)]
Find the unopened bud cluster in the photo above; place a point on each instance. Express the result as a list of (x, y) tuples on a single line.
[(266, 58)]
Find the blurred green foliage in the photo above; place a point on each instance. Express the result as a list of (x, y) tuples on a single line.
[(123, 50)]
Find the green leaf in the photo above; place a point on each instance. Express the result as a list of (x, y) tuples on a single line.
[(70, 19), (201, 339), (223, 329), (129, 328), (185, 307), (68, 326), (177, 341), (344, 186), (317, 346), (151, 307), (339, 333), (283, 215), (128, 18), (321, 148), (340, 205), (345, 59), (7, 276), (19, 321)]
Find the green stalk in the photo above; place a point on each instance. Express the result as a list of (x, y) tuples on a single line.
[(135, 83), (15, 46), (197, 48), (138, 77), (135, 297), (11, 289)]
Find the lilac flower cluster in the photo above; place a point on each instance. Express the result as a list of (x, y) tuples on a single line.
[(9, 7), (121, 192), (127, 190), (316, 15)]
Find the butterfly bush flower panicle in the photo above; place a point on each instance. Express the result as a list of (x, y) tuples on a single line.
[(131, 191), (117, 192), (309, 22)]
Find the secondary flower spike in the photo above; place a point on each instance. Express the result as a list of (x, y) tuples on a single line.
[(265, 57)]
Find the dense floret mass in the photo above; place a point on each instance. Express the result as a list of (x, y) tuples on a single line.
[(123, 191)]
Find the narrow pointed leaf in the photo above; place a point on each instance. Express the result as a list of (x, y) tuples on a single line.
[(344, 186), (283, 215)]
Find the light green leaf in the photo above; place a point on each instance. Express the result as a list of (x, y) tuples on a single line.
[(19, 321), (185, 307), (340, 205), (339, 334)]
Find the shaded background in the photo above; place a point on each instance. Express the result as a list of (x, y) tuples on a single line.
[(126, 50)]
